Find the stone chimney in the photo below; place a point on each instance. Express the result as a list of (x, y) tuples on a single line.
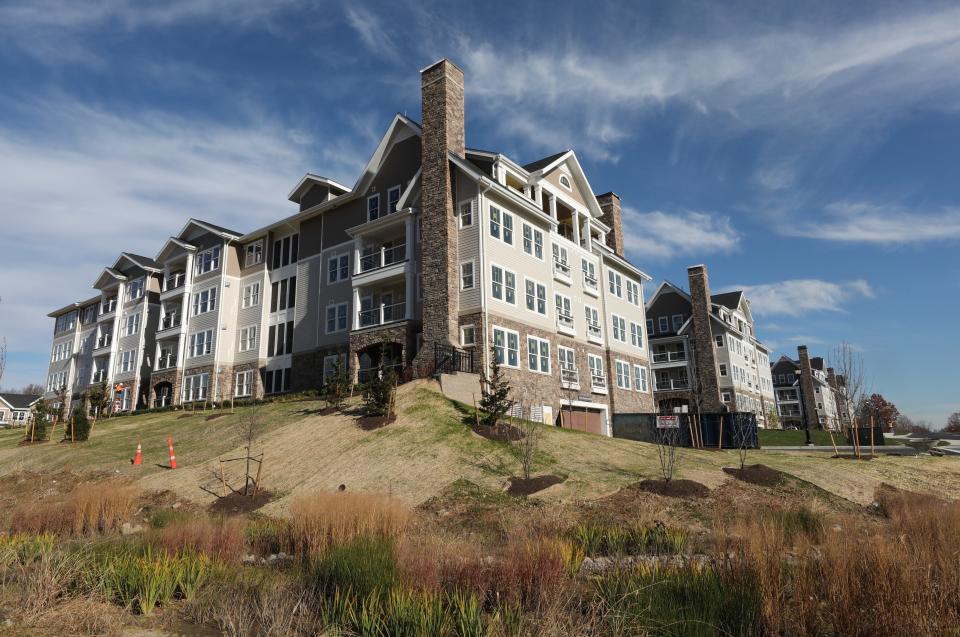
[(706, 359), (610, 205), (832, 377), (441, 88), (810, 416)]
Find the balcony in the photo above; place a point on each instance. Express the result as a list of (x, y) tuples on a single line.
[(590, 284), (672, 384), (594, 333), (169, 322), (561, 270), (99, 376), (676, 356), (382, 258), (104, 341), (166, 362), (565, 322), (598, 382), (173, 285), (107, 309), (569, 378), (382, 314)]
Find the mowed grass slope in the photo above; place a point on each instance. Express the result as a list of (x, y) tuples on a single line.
[(426, 449)]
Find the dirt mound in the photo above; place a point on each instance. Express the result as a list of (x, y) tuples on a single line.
[(675, 488), (528, 486), (758, 474), (499, 433), (369, 423), (237, 503)]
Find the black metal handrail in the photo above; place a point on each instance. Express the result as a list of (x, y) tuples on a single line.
[(450, 360)]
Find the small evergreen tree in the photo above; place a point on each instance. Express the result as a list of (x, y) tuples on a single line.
[(337, 385), (99, 398), (80, 426), (378, 395), (495, 393), (41, 421), (60, 411)]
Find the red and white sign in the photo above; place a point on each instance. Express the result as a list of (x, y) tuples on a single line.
[(668, 422)]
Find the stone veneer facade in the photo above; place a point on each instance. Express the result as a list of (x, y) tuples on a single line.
[(810, 413), (612, 217), (705, 361)]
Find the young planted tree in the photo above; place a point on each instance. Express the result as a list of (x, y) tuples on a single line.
[(743, 439), (848, 365), (336, 386), (79, 428), (41, 421), (495, 393), (99, 398), (379, 395), (773, 418), (667, 439), (526, 444), (249, 430)]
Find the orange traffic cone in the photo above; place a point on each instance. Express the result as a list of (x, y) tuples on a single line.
[(138, 458), (173, 458)]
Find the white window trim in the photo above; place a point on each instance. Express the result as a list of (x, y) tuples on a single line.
[(506, 349), (619, 365), (198, 260), (504, 284), (244, 344), (330, 271), (619, 323), (326, 310), (565, 178), (372, 197), (534, 231), (546, 299), (466, 204), (473, 274), (641, 379), (247, 373), (247, 252), (540, 342), (244, 297), (210, 308), (399, 191), (463, 331), (501, 225)]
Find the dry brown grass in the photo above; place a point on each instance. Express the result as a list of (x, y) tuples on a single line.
[(89, 508), (222, 538), (325, 519)]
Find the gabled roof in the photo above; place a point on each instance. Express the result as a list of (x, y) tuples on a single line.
[(311, 179), (728, 299), (170, 243), (144, 262), (226, 233), (19, 401), (105, 275), (539, 164), (671, 287)]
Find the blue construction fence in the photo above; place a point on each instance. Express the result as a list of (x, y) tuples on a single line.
[(707, 427)]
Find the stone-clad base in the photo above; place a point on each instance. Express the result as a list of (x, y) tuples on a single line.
[(401, 334), (172, 376)]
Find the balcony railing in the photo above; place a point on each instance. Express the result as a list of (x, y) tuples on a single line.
[(170, 321), (104, 341), (383, 257), (108, 307), (99, 376), (670, 357), (174, 281), (166, 362), (569, 376), (667, 385), (590, 282), (598, 381), (593, 330), (383, 314), (561, 267), (565, 320)]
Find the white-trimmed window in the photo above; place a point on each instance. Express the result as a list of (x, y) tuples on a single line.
[(251, 295), (466, 275), (566, 358), (373, 207), (127, 361), (633, 292), (195, 387), (589, 273), (68, 321), (536, 296), (597, 378), (506, 347), (244, 385), (248, 338), (205, 301), (338, 268), (564, 311), (719, 340), (253, 253), (501, 225), (132, 325), (593, 321), (677, 322), (532, 241), (208, 260), (538, 355), (560, 259), (619, 329), (723, 369), (623, 374), (615, 283), (725, 396), (663, 324), (636, 335), (466, 214), (393, 199), (201, 343), (649, 326), (136, 288), (640, 378), (468, 335), (503, 284), (337, 317)]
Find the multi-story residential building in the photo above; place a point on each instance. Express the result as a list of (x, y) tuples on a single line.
[(803, 386), (705, 352), (435, 246)]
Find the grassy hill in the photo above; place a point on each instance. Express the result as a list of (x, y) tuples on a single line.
[(425, 450)]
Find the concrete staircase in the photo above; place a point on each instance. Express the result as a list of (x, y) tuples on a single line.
[(462, 387)]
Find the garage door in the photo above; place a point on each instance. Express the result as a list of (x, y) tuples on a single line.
[(582, 419)]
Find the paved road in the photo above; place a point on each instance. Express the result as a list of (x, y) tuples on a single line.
[(901, 450)]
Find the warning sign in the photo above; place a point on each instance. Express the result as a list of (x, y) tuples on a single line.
[(668, 422)]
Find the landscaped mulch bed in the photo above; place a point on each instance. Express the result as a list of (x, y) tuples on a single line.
[(759, 474), (533, 484), (237, 503), (675, 488), (369, 423), (215, 416), (500, 433)]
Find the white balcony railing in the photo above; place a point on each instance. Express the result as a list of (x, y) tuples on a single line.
[(590, 282), (174, 281), (383, 258), (670, 384), (166, 362), (104, 341), (561, 267), (670, 357), (598, 381), (108, 306), (569, 376), (99, 376), (383, 314), (565, 320), (593, 330), (170, 321)]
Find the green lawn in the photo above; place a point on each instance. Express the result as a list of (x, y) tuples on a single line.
[(795, 437)]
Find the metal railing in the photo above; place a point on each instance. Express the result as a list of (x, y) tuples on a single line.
[(565, 320), (569, 376), (448, 359), (667, 385), (383, 314), (598, 381), (170, 321), (670, 357), (166, 362), (99, 376), (108, 307), (365, 374), (590, 281), (593, 329), (383, 257), (173, 282), (104, 341), (561, 267)]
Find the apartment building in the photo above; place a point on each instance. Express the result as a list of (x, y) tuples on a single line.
[(436, 245), (805, 386), (705, 352)]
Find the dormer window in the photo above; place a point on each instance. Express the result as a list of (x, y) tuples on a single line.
[(253, 253), (208, 260), (393, 198), (565, 182), (136, 288), (373, 207)]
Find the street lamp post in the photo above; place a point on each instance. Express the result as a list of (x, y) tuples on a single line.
[(803, 410)]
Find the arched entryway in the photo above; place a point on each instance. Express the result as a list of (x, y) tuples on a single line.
[(163, 394), (368, 360)]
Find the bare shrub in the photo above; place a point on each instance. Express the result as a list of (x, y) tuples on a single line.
[(90, 508), (667, 439), (265, 606), (222, 538), (527, 444), (323, 519)]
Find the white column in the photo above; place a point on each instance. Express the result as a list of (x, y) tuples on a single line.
[(410, 238), (356, 308), (589, 237), (357, 249), (411, 267), (576, 227), (553, 206)]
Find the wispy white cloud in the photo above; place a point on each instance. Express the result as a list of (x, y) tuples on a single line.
[(371, 30), (659, 235), (871, 223), (796, 297)]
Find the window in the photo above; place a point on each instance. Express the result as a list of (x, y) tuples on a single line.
[(330, 365), (195, 387), (538, 355), (663, 324), (468, 336), (719, 340), (677, 322), (532, 241), (536, 296), (616, 283), (276, 381), (127, 361), (244, 384), (589, 273), (593, 321), (619, 329), (466, 214), (506, 347), (466, 275), (132, 324), (201, 343), (725, 396), (565, 182), (205, 301), (504, 285), (283, 294), (649, 326), (373, 207), (136, 288), (285, 251), (208, 260), (338, 268), (564, 312), (636, 335), (251, 295), (565, 356), (89, 315), (723, 369), (253, 253), (248, 338), (393, 199), (623, 375), (597, 379), (640, 378), (633, 292), (501, 225), (280, 339), (336, 318)]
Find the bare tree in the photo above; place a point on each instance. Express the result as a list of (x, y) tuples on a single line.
[(667, 438), (743, 439), (249, 430), (3, 354), (527, 443), (848, 363)]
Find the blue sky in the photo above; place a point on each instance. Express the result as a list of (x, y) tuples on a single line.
[(807, 153)]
